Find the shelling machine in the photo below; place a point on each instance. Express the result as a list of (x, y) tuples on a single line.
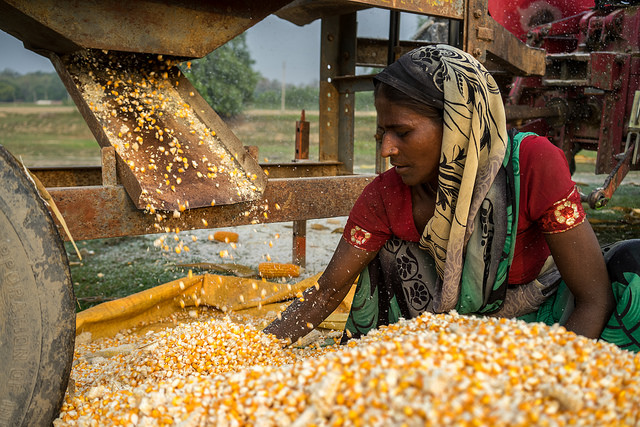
[(169, 161), (589, 96)]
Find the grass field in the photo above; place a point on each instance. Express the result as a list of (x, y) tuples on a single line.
[(58, 136)]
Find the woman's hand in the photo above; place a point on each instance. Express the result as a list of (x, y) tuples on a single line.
[(305, 313), (579, 259)]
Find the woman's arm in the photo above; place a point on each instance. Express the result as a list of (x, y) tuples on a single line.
[(305, 313), (579, 259)]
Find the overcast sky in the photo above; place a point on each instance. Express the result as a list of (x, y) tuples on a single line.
[(272, 43)]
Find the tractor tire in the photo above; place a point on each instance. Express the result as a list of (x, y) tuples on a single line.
[(37, 305)]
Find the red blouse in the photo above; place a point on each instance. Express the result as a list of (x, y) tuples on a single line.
[(549, 203)]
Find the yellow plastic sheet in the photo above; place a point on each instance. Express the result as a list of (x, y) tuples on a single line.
[(252, 297)]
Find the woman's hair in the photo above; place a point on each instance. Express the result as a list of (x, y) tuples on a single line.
[(400, 98)]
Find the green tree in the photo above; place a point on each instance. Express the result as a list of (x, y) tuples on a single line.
[(7, 92), (30, 87), (225, 77), (268, 95)]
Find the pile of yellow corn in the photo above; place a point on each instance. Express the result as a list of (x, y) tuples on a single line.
[(434, 370)]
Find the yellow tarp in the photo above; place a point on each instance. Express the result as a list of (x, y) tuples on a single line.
[(227, 293)]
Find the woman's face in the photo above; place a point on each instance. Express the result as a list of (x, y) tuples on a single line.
[(411, 141)]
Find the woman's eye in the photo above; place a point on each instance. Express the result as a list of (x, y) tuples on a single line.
[(402, 134), (379, 135)]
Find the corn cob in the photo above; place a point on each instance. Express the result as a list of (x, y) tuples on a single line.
[(272, 270)]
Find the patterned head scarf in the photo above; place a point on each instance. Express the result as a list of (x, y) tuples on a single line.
[(474, 144)]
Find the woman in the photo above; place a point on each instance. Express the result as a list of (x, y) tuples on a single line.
[(469, 218)]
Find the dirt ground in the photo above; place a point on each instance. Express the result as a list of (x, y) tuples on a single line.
[(262, 242)]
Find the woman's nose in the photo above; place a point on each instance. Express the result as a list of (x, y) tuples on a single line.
[(388, 148)]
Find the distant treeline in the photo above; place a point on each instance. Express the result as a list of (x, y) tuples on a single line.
[(31, 87), (228, 94)]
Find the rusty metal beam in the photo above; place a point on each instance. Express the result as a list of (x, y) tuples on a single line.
[(302, 12), (98, 212), (524, 112), (72, 176), (373, 52), (352, 84), (491, 44), (185, 28), (510, 53), (79, 176), (328, 98), (453, 9), (302, 169), (336, 120)]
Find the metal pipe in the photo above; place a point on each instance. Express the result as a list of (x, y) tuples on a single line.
[(523, 112)]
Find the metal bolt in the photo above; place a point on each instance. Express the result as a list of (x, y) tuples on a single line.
[(330, 37), (477, 13), (477, 52)]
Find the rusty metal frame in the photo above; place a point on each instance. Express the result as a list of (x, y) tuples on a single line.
[(336, 121), (103, 209), (95, 212)]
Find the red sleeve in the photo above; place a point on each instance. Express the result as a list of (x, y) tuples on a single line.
[(563, 215), (545, 177), (383, 210), (548, 204)]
